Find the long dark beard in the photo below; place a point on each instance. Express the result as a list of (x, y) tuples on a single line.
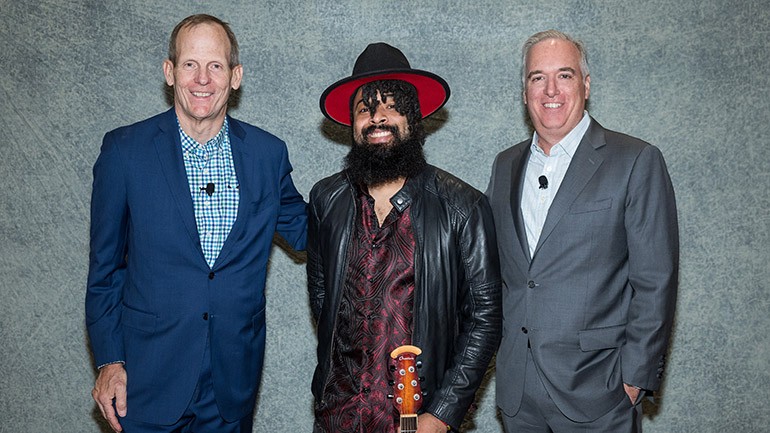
[(375, 164)]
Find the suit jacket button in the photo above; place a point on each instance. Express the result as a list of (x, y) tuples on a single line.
[(205, 316), (531, 284), (211, 275), (524, 330)]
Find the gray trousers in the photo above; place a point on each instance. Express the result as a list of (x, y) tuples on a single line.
[(539, 414)]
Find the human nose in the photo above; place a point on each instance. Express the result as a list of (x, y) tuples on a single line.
[(202, 76), (378, 115), (550, 88)]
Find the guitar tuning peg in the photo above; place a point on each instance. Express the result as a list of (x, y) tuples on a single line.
[(391, 382), (422, 378), (419, 364), (390, 396), (424, 393), (392, 368)]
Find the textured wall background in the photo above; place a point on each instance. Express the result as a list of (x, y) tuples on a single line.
[(688, 76)]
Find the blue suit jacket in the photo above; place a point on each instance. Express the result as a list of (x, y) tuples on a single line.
[(152, 301)]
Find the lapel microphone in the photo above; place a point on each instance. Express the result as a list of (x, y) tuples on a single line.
[(542, 180), (209, 188)]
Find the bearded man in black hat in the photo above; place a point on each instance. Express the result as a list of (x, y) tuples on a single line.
[(399, 253)]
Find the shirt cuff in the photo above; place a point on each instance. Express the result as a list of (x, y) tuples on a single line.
[(110, 363)]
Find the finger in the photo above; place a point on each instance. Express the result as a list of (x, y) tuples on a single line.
[(120, 399), (95, 396), (104, 402), (108, 412), (113, 420)]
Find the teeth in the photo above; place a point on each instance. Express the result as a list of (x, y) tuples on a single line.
[(201, 94), (379, 134), (552, 105)]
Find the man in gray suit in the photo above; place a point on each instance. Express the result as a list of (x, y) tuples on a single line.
[(587, 232)]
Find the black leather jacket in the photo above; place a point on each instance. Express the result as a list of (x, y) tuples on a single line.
[(457, 313)]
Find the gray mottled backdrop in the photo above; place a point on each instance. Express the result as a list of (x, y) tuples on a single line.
[(689, 76)]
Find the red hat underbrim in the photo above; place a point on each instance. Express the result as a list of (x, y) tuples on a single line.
[(432, 91)]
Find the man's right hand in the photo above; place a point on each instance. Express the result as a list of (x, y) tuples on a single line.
[(111, 385)]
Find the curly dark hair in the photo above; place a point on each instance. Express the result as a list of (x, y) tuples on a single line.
[(404, 95)]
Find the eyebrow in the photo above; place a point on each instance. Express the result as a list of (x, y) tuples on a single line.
[(563, 69), (383, 98)]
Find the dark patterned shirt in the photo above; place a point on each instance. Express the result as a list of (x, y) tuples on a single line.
[(375, 317)]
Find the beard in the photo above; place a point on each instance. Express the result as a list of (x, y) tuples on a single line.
[(375, 164)]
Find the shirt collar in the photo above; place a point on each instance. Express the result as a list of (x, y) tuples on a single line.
[(570, 142), (404, 197), (190, 145)]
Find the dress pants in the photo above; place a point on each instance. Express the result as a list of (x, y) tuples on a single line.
[(539, 414), (202, 414)]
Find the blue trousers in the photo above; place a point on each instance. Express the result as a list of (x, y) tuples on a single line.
[(202, 414)]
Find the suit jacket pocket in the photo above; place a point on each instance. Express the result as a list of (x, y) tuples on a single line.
[(138, 320), (602, 338), (591, 206)]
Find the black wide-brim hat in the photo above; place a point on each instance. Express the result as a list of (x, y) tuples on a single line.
[(380, 61)]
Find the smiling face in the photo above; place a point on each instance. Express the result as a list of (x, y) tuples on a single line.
[(378, 122), (202, 79), (555, 91), (387, 134)]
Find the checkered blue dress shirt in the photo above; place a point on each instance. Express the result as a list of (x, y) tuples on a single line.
[(211, 164)]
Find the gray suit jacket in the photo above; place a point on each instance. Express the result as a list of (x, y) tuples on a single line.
[(596, 300)]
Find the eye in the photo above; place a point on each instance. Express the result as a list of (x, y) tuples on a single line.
[(188, 65), (565, 76), (216, 66), (536, 78)]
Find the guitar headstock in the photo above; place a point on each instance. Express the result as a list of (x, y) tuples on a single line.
[(407, 395)]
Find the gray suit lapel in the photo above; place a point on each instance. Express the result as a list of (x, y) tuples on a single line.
[(518, 167), (584, 164)]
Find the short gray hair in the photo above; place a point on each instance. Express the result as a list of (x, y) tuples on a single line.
[(552, 34)]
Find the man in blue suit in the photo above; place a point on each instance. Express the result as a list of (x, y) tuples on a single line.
[(183, 212)]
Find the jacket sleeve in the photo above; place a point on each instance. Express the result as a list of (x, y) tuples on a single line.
[(107, 258), (653, 256), (315, 273), (480, 317), (292, 215)]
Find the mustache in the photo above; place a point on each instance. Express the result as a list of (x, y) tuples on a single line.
[(390, 128)]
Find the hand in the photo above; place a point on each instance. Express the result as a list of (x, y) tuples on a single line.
[(632, 392), (427, 423), (111, 385)]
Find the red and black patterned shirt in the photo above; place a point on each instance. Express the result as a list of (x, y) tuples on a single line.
[(374, 317)]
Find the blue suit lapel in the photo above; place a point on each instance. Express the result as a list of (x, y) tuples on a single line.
[(169, 148), (585, 162), (244, 167)]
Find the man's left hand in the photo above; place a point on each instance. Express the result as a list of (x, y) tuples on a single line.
[(427, 423), (632, 392)]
